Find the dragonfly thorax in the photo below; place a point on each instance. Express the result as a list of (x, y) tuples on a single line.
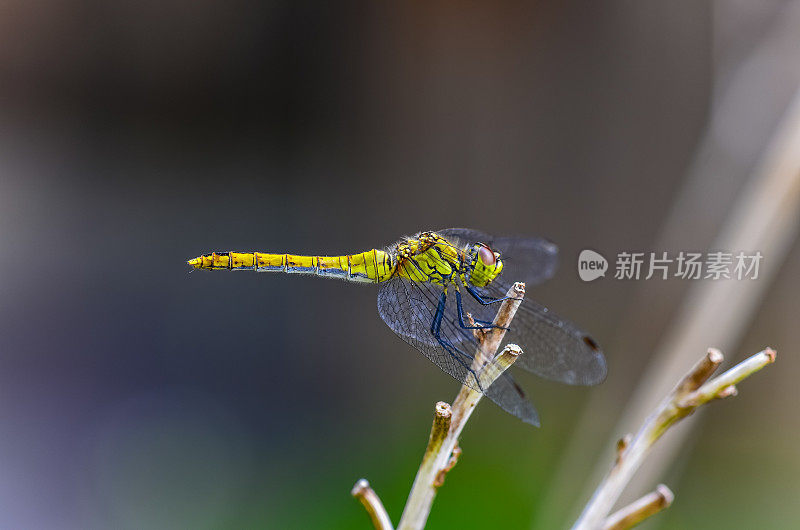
[(429, 257), (432, 258)]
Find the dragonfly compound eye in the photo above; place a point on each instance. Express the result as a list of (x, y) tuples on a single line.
[(487, 256)]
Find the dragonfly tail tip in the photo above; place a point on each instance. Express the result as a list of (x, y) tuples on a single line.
[(194, 263)]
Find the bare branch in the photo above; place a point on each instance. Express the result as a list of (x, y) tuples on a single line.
[(440, 427), (372, 503), (725, 384), (692, 391), (639, 510), (435, 466), (698, 375)]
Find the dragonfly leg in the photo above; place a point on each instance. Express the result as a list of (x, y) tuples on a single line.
[(480, 299), (455, 353), (476, 295), (483, 324)]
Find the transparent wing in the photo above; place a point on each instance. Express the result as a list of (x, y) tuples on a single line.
[(409, 308), (532, 260), (553, 347)]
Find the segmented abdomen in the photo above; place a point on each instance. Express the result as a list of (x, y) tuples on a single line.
[(372, 266)]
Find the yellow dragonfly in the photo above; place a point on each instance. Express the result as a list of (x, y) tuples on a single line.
[(429, 283)]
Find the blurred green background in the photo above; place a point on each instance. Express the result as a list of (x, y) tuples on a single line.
[(135, 135)]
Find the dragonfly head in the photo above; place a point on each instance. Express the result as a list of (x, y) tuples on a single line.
[(485, 265)]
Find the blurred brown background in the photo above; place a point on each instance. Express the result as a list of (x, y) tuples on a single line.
[(135, 135)]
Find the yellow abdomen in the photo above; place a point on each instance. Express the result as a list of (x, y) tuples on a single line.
[(372, 266)]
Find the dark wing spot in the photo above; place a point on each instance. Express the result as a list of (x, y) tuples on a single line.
[(591, 343)]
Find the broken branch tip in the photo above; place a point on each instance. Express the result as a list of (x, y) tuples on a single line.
[(715, 356), (666, 495), (443, 409), (360, 487)]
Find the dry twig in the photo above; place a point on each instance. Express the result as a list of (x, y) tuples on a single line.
[(442, 451), (430, 478), (372, 503), (638, 511), (691, 392)]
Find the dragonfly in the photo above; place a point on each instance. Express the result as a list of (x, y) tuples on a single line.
[(437, 287)]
